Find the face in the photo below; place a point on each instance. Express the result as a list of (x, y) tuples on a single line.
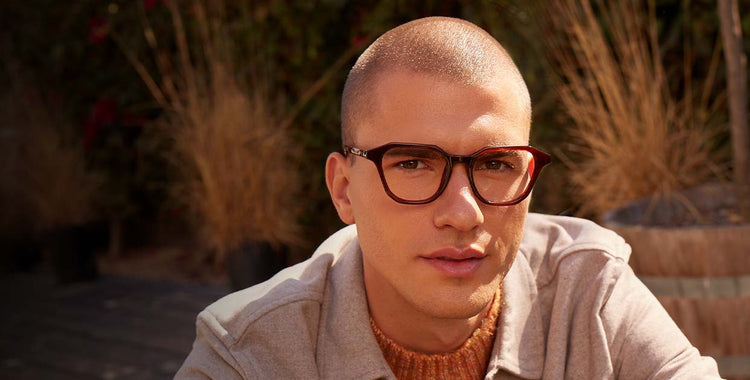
[(444, 259)]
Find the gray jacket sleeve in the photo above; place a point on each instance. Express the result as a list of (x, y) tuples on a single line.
[(210, 358), (645, 342)]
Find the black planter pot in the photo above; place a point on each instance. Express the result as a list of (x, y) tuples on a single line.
[(254, 263), (72, 252)]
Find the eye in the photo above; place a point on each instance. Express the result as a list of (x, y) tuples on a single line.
[(411, 164), (495, 165)]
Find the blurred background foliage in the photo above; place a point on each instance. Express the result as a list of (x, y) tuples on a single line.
[(71, 59)]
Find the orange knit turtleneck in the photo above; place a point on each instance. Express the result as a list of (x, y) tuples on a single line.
[(467, 362)]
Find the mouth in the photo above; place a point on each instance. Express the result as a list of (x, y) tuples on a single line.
[(455, 262)]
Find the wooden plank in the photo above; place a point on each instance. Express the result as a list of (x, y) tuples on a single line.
[(18, 369), (76, 362), (26, 341), (112, 328), (147, 332)]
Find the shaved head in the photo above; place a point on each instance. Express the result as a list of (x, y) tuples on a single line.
[(449, 49)]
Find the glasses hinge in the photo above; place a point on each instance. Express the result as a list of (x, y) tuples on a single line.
[(358, 152)]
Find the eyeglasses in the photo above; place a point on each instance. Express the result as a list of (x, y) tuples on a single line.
[(419, 173)]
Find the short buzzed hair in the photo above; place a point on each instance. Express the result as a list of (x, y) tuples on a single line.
[(449, 48)]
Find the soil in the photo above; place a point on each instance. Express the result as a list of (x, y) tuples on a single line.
[(703, 206)]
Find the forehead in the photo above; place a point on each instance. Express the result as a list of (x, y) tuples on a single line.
[(406, 106)]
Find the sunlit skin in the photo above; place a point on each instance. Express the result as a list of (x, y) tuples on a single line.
[(413, 302)]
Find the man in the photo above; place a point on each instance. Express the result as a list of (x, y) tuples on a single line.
[(442, 273)]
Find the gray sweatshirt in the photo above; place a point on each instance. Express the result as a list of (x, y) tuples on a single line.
[(573, 309)]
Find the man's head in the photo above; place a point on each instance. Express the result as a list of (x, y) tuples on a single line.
[(443, 82), (451, 49)]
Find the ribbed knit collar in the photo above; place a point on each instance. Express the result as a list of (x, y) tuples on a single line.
[(467, 362)]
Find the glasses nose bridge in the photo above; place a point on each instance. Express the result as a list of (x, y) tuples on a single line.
[(452, 161), (459, 160)]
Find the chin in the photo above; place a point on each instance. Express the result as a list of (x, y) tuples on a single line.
[(459, 305)]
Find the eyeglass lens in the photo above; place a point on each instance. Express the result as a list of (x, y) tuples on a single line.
[(416, 173)]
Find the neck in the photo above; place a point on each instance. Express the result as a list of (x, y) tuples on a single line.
[(469, 361), (429, 335), (418, 331)]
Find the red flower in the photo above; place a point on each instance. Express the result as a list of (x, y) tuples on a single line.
[(98, 29), (129, 120), (149, 4), (358, 40), (90, 133), (103, 113)]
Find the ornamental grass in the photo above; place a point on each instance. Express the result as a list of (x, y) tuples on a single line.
[(237, 173), (630, 137), (45, 177)]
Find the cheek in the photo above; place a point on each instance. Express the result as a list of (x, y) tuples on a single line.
[(506, 220), (505, 225), (365, 194), (384, 226), (370, 206)]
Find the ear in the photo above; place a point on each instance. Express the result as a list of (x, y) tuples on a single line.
[(337, 180)]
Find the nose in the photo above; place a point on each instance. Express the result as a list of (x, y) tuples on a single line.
[(457, 207)]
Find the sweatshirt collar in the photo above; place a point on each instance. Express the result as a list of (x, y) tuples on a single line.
[(520, 344), (347, 348)]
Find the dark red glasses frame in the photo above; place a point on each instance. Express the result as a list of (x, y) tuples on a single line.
[(375, 155)]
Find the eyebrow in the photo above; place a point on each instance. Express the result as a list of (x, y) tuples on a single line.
[(502, 153), (418, 152)]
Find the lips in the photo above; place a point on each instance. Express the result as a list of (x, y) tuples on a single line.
[(455, 262)]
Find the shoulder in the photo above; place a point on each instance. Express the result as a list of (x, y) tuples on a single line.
[(292, 296), (604, 319), (551, 241), (269, 330)]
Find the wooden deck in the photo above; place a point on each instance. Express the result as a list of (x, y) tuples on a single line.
[(113, 328)]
